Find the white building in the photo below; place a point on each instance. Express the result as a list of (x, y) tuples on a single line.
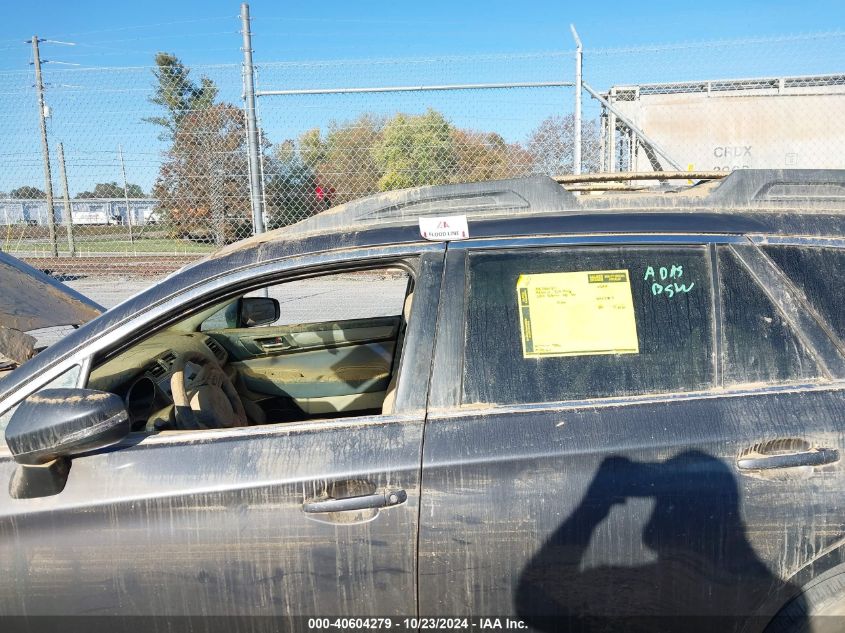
[(84, 211)]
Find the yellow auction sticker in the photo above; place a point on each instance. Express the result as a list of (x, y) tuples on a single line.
[(577, 314)]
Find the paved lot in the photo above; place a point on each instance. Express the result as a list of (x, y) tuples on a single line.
[(348, 296), (332, 298), (111, 290)]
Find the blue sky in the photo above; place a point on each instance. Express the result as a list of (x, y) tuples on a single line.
[(95, 111), (128, 33)]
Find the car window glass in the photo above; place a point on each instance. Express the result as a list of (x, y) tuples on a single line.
[(759, 344), (334, 351), (63, 380), (223, 318), (343, 296), (815, 272), (671, 317)]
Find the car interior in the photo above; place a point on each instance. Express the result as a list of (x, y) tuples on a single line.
[(299, 350)]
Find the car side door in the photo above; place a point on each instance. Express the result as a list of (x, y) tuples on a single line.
[(254, 521), (619, 486)]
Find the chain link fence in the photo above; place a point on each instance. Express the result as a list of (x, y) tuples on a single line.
[(140, 187), (717, 106), (354, 128), (155, 168)]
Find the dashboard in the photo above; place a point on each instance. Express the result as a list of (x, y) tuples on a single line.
[(141, 374)]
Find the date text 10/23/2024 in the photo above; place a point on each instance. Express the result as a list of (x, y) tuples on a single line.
[(421, 623)]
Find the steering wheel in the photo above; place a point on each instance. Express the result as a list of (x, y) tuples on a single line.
[(214, 404)]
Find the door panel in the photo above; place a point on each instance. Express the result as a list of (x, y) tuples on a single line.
[(648, 503), (210, 523), (323, 367), (248, 343), (335, 371), (634, 510), (307, 518)]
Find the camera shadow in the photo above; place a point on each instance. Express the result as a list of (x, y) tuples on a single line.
[(703, 574)]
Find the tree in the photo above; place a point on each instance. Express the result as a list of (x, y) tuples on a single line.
[(112, 190), (289, 187), (370, 154), (26, 192), (551, 145), (487, 156), (344, 160), (203, 185), (415, 150), (177, 93)]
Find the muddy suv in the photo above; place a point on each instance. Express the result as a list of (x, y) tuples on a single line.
[(616, 411)]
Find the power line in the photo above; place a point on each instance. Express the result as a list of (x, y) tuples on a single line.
[(147, 26)]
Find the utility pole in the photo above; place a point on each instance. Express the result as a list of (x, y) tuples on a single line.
[(126, 197), (579, 58), (45, 148), (66, 195), (256, 184)]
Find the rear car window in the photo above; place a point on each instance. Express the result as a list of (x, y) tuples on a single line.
[(646, 325), (816, 272), (759, 344)]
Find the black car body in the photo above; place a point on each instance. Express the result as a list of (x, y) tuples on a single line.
[(692, 480), (31, 301)]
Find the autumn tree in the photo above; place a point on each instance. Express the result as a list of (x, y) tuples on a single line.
[(203, 183), (487, 156), (343, 159), (289, 187), (415, 150), (177, 93), (551, 145), (371, 154)]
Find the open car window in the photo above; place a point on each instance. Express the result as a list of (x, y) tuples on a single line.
[(317, 347)]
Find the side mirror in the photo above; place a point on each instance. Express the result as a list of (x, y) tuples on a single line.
[(259, 311), (54, 424)]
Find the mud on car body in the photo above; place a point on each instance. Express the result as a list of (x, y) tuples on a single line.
[(614, 411), (32, 302)]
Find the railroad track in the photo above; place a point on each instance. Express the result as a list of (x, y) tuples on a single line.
[(133, 266)]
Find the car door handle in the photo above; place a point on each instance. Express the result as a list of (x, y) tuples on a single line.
[(275, 346), (810, 457), (362, 502)]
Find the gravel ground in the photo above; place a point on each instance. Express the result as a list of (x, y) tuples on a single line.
[(109, 291), (335, 297), (332, 298)]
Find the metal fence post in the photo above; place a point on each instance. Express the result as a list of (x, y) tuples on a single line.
[(45, 148), (71, 245), (631, 126), (126, 197), (579, 58), (256, 185)]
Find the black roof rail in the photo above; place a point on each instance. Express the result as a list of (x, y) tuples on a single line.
[(765, 187), (814, 190), (523, 195)]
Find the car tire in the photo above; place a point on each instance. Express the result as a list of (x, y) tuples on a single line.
[(819, 609)]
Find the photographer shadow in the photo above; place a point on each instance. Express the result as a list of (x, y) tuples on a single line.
[(704, 574)]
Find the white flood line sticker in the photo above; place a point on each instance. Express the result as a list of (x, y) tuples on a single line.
[(444, 228)]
